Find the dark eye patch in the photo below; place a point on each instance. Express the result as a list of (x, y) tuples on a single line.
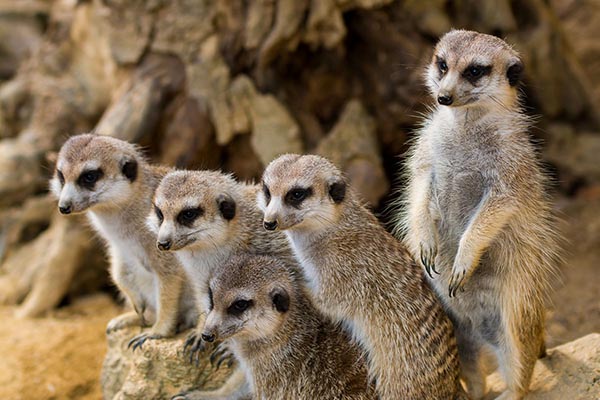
[(211, 302), (441, 65), (266, 192), (61, 177), (474, 72), (159, 214), (295, 196), (189, 215), (239, 306), (88, 178)]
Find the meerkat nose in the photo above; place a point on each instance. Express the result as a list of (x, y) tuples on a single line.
[(164, 246), (65, 209), (270, 225), (208, 337), (444, 100)]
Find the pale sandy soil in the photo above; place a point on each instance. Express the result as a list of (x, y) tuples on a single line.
[(55, 357)]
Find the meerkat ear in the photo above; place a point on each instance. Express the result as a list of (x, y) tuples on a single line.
[(337, 191), (226, 206), (514, 72), (280, 299), (130, 170)]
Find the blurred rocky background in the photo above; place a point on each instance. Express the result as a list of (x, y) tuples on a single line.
[(231, 84)]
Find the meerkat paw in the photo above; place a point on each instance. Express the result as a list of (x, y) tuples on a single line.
[(457, 280), (428, 252), (194, 345), (510, 395), (139, 340), (220, 355), (124, 321), (194, 395)]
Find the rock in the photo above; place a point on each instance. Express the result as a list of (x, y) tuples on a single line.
[(274, 131), (189, 139), (156, 371), (21, 171), (136, 113), (352, 145), (574, 153), (209, 80), (40, 272), (128, 30), (570, 371)]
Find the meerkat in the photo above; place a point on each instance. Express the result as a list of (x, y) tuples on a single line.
[(113, 184), (361, 276), (287, 348), (203, 217), (476, 213)]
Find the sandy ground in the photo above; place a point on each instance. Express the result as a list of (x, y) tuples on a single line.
[(55, 357), (60, 356)]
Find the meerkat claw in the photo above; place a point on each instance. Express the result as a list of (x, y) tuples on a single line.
[(427, 259), (456, 283), (180, 396), (138, 341)]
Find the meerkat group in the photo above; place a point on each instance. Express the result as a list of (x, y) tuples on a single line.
[(308, 291)]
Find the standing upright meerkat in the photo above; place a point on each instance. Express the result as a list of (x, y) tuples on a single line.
[(204, 217), (361, 276), (476, 212), (286, 347), (111, 181)]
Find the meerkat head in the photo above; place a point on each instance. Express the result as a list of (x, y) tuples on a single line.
[(474, 69), (95, 171), (301, 192), (249, 299), (194, 209)]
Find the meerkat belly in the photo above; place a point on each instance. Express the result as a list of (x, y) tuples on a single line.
[(134, 266)]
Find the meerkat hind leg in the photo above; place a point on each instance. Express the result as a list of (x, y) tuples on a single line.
[(516, 360), (469, 352), (126, 320)]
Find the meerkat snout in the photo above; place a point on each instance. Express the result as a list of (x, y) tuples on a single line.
[(270, 225), (209, 337), (65, 208), (444, 99), (164, 245)]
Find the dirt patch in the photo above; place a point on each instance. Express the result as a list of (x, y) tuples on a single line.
[(55, 357)]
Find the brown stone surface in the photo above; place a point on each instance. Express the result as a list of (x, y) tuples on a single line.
[(570, 371)]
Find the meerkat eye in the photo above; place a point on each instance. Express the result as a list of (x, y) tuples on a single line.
[(297, 195), (442, 66), (88, 179), (474, 72), (159, 214), (189, 215), (61, 177), (239, 306), (267, 193)]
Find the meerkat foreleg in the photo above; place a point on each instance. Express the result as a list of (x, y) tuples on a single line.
[(120, 276), (423, 236), (490, 217), (168, 293), (235, 388)]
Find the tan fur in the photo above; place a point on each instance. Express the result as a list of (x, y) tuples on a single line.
[(227, 222), (287, 348), (364, 278), (476, 211), (117, 206)]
